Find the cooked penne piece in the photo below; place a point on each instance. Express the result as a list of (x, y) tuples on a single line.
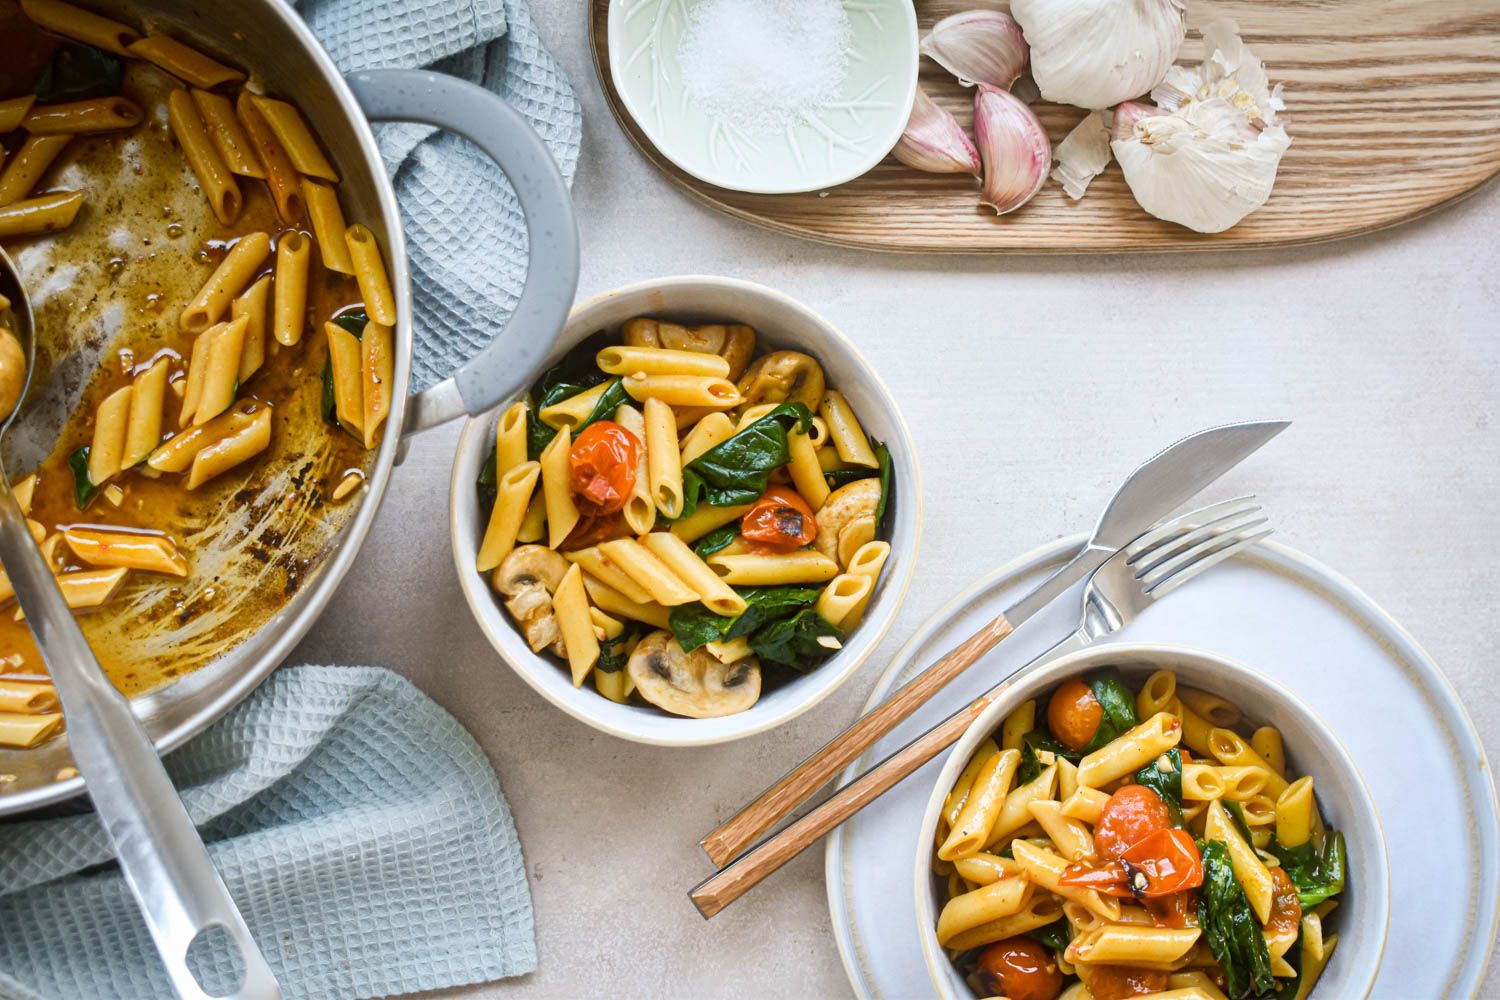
[(611, 600), (1201, 782), (328, 225), (13, 111), (193, 384), (707, 518), (513, 491), (986, 869), (177, 453), (213, 175), (644, 567), (731, 651), (253, 305), (1133, 944), (293, 255), (534, 524), (626, 360), (841, 596), (1230, 749), (1242, 783), (379, 370), (232, 449), (712, 430), (987, 794), (1039, 911), (1003, 898), (753, 569), (1249, 870), (25, 730), (683, 390), (1130, 751), (599, 566), (23, 491), (227, 134), (221, 371), (849, 438), (1218, 711), (958, 795), (1045, 869), (370, 273), (87, 588), (1017, 724), (663, 460), (806, 474), (1086, 804), (80, 25), (346, 362), (26, 696), (868, 560), (100, 114), (640, 508), (1070, 836), (154, 553), (148, 392), (1266, 741), (574, 410), (571, 605), (233, 275), (26, 168), (1294, 813), (1016, 812), (107, 450), (684, 564), (281, 177), (296, 138), (42, 214), (1156, 694), (184, 62)]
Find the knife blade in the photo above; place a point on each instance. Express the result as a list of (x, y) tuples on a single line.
[(1156, 488)]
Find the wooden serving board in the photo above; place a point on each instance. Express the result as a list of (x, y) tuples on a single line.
[(1393, 107)]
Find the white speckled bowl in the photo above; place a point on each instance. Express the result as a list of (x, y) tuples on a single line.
[(1312, 748), (779, 322), (835, 145)]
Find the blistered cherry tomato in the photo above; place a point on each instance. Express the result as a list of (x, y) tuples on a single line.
[(1119, 982), (1111, 878), (1286, 907), (1170, 861), (1019, 968), (1131, 815), (602, 465), (780, 521), (1074, 714)]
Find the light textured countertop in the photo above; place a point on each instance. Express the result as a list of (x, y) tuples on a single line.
[(1031, 387)]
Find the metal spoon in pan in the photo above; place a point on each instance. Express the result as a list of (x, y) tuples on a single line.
[(164, 861)]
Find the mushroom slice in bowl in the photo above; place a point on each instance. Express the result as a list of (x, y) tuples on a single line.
[(847, 519), (692, 684), (783, 377), (527, 579)]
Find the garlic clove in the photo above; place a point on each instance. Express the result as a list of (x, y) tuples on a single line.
[(1013, 147), (978, 46), (934, 141), (1127, 114), (1097, 53), (1083, 154)]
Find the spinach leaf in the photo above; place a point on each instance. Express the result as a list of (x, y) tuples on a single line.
[(1167, 784), (78, 73), (1118, 704), (614, 397), (1055, 935), (330, 398), (1230, 927), (1033, 744), (1236, 813), (1318, 877), (717, 539), (353, 321), (793, 642), (488, 483), (843, 477), (84, 489), (576, 372), (693, 624), (615, 653), (735, 471)]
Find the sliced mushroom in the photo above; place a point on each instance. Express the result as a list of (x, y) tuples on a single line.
[(845, 508), (527, 580), (854, 534), (733, 343), (692, 684), (783, 377)]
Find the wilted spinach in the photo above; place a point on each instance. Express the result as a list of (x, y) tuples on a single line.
[(78, 73), (1230, 927), (735, 471), (1167, 784), (84, 489), (1317, 876)]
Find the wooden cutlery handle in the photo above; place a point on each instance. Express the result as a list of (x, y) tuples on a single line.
[(725, 887), (781, 799)]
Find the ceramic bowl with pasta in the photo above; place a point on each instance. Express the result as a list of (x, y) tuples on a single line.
[(697, 522), (1136, 820)]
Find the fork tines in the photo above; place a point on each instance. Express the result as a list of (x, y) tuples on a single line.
[(1169, 556)]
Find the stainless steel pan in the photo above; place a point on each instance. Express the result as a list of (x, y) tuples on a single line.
[(268, 38)]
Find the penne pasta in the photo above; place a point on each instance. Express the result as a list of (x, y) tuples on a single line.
[(296, 138), (600, 567), (1003, 898), (1017, 724), (571, 606), (346, 365), (1266, 741), (221, 374), (13, 111), (707, 518), (231, 278), (627, 360), (42, 214), (608, 599), (370, 273), (253, 305), (1015, 813), (26, 730), (281, 177), (684, 564), (328, 225), (806, 474), (714, 429), (1131, 751), (227, 134), (143, 425), (1249, 870), (100, 114), (293, 257), (377, 374), (682, 390), (1294, 813), (107, 450), (81, 26), (213, 175), (573, 411), (562, 511), (653, 575), (754, 569), (510, 437), (640, 506), (184, 62), (153, 553), (87, 588), (841, 596), (232, 449), (513, 492), (663, 460), (29, 164), (848, 437)]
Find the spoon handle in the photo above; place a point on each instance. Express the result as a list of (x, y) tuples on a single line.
[(179, 892)]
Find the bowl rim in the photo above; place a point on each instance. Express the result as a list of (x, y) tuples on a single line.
[(933, 956), (482, 606), (905, 10)]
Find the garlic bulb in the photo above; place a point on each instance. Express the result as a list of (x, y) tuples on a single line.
[(978, 46), (934, 141), (1199, 167), (1230, 72), (1013, 146), (1097, 53)]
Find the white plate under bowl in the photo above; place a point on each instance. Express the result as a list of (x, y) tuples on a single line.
[(1303, 625), (827, 147)]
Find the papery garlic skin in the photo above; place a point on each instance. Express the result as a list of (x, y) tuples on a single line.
[(1013, 146), (1196, 168), (1096, 53), (1083, 154), (978, 46), (1231, 72), (934, 141), (1124, 117)]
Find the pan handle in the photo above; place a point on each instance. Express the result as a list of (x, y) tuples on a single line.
[(502, 366)]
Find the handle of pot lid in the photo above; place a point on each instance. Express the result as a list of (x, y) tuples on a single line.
[(501, 366)]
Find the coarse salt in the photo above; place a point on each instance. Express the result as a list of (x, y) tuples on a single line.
[(763, 65)]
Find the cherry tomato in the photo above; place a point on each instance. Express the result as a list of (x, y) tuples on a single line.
[(1112, 879), (602, 465), (1170, 861), (1019, 968), (1118, 982), (1131, 815), (1074, 714), (592, 529), (780, 521), (1286, 907), (1173, 910)]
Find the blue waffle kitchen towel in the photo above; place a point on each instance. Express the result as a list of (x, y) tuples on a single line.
[(358, 826), (466, 238)]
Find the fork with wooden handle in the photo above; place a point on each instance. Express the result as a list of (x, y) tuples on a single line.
[(1151, 492), (1118, 590)]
